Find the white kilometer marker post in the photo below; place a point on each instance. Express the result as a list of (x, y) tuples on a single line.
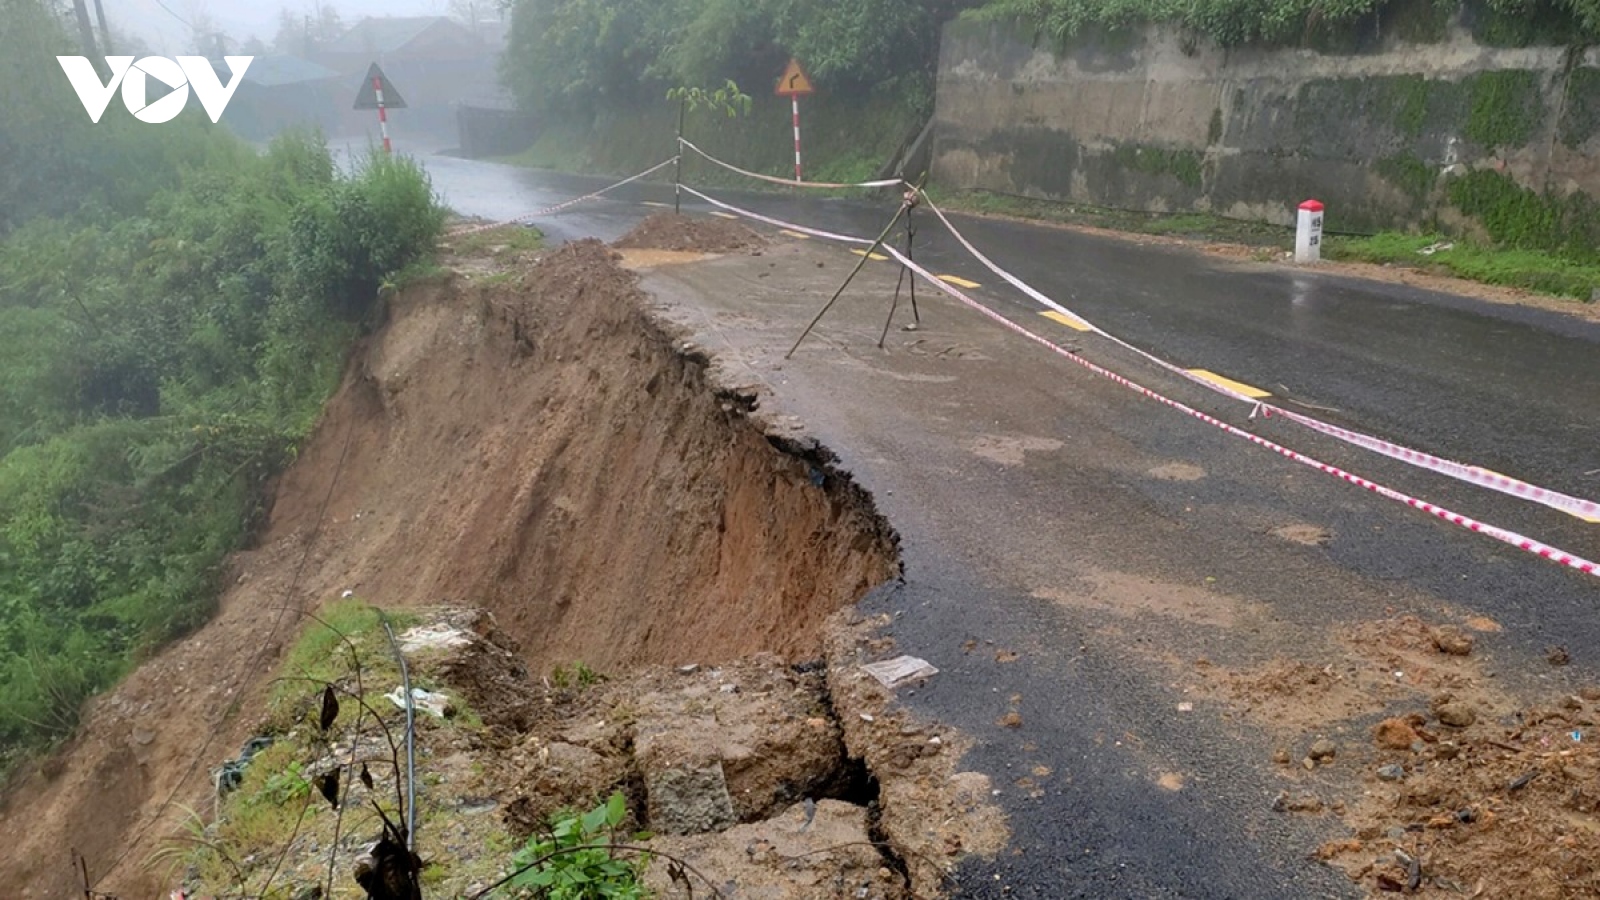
[(1308, 233)]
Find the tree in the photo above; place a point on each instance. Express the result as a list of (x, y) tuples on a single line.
[(470, 12), (80, 11), (575, 55), (290, 37), (304, 33)]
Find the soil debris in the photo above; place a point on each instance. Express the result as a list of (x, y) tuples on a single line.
[(1378, 664), (1483, 624), (1506, 809), (688, 234), (1395, 733), (698, 757), (819, 851), (1452, 640), (1301, 802), (1453, 712), (931, 813)]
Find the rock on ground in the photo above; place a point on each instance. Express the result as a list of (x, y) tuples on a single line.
[(757, 733), (820, 853)]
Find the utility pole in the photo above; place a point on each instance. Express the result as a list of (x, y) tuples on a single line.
[(105, 30)]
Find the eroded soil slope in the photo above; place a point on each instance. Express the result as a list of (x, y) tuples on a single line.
[(539, 447)]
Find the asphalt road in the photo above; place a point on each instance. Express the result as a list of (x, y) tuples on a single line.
[(1515, 389), (1017, 479)]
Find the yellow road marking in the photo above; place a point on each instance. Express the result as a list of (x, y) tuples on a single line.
[(794, 234), (1068, 321), (875, 257), (723, 215), (1240, 387), (958, 281)]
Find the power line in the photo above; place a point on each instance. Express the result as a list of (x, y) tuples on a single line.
[(169, 12)]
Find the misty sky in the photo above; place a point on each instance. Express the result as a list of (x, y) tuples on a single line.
[(240, 19)]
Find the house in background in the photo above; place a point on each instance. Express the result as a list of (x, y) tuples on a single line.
[(279, 92), (434, 62)]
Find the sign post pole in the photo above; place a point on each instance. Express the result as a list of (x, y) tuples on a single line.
[(794, 84), (383, 115), (794, 102), (377, 93)]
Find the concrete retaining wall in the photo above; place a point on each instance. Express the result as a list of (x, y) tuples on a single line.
[(1382, 133)]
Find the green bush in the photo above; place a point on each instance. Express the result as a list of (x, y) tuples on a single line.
[(175, 306), (575, 59), (574, 861), (1236, 22)]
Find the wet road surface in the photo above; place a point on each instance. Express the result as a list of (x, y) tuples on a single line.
[(1025, 488), (1514, 389)]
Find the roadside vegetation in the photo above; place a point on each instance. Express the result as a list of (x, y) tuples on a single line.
[(328, 761), (598, 72), (1236, 22), (174, 308), (1535, 270), (1572, 275)]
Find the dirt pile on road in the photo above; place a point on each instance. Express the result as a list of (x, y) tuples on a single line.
[(535, 444), (1448, 787), (683, 234), (1379, 663), (1483, 807)]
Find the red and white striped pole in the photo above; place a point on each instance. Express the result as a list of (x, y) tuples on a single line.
[(794, 102), (383, 115)]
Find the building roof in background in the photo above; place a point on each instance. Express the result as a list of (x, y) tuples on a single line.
[(389, 34), (279, 69)]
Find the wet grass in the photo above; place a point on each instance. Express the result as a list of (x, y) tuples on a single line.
[(500, 244), (1533, 270)]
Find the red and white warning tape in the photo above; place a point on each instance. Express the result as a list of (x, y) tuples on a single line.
[(568, 204), (1471, 474), (788, 182), (778, 223), (1494, 481), (1476, 475), (1500, 534)]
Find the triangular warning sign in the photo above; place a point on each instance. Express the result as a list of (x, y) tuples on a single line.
[(367, 97), (795, 82)]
